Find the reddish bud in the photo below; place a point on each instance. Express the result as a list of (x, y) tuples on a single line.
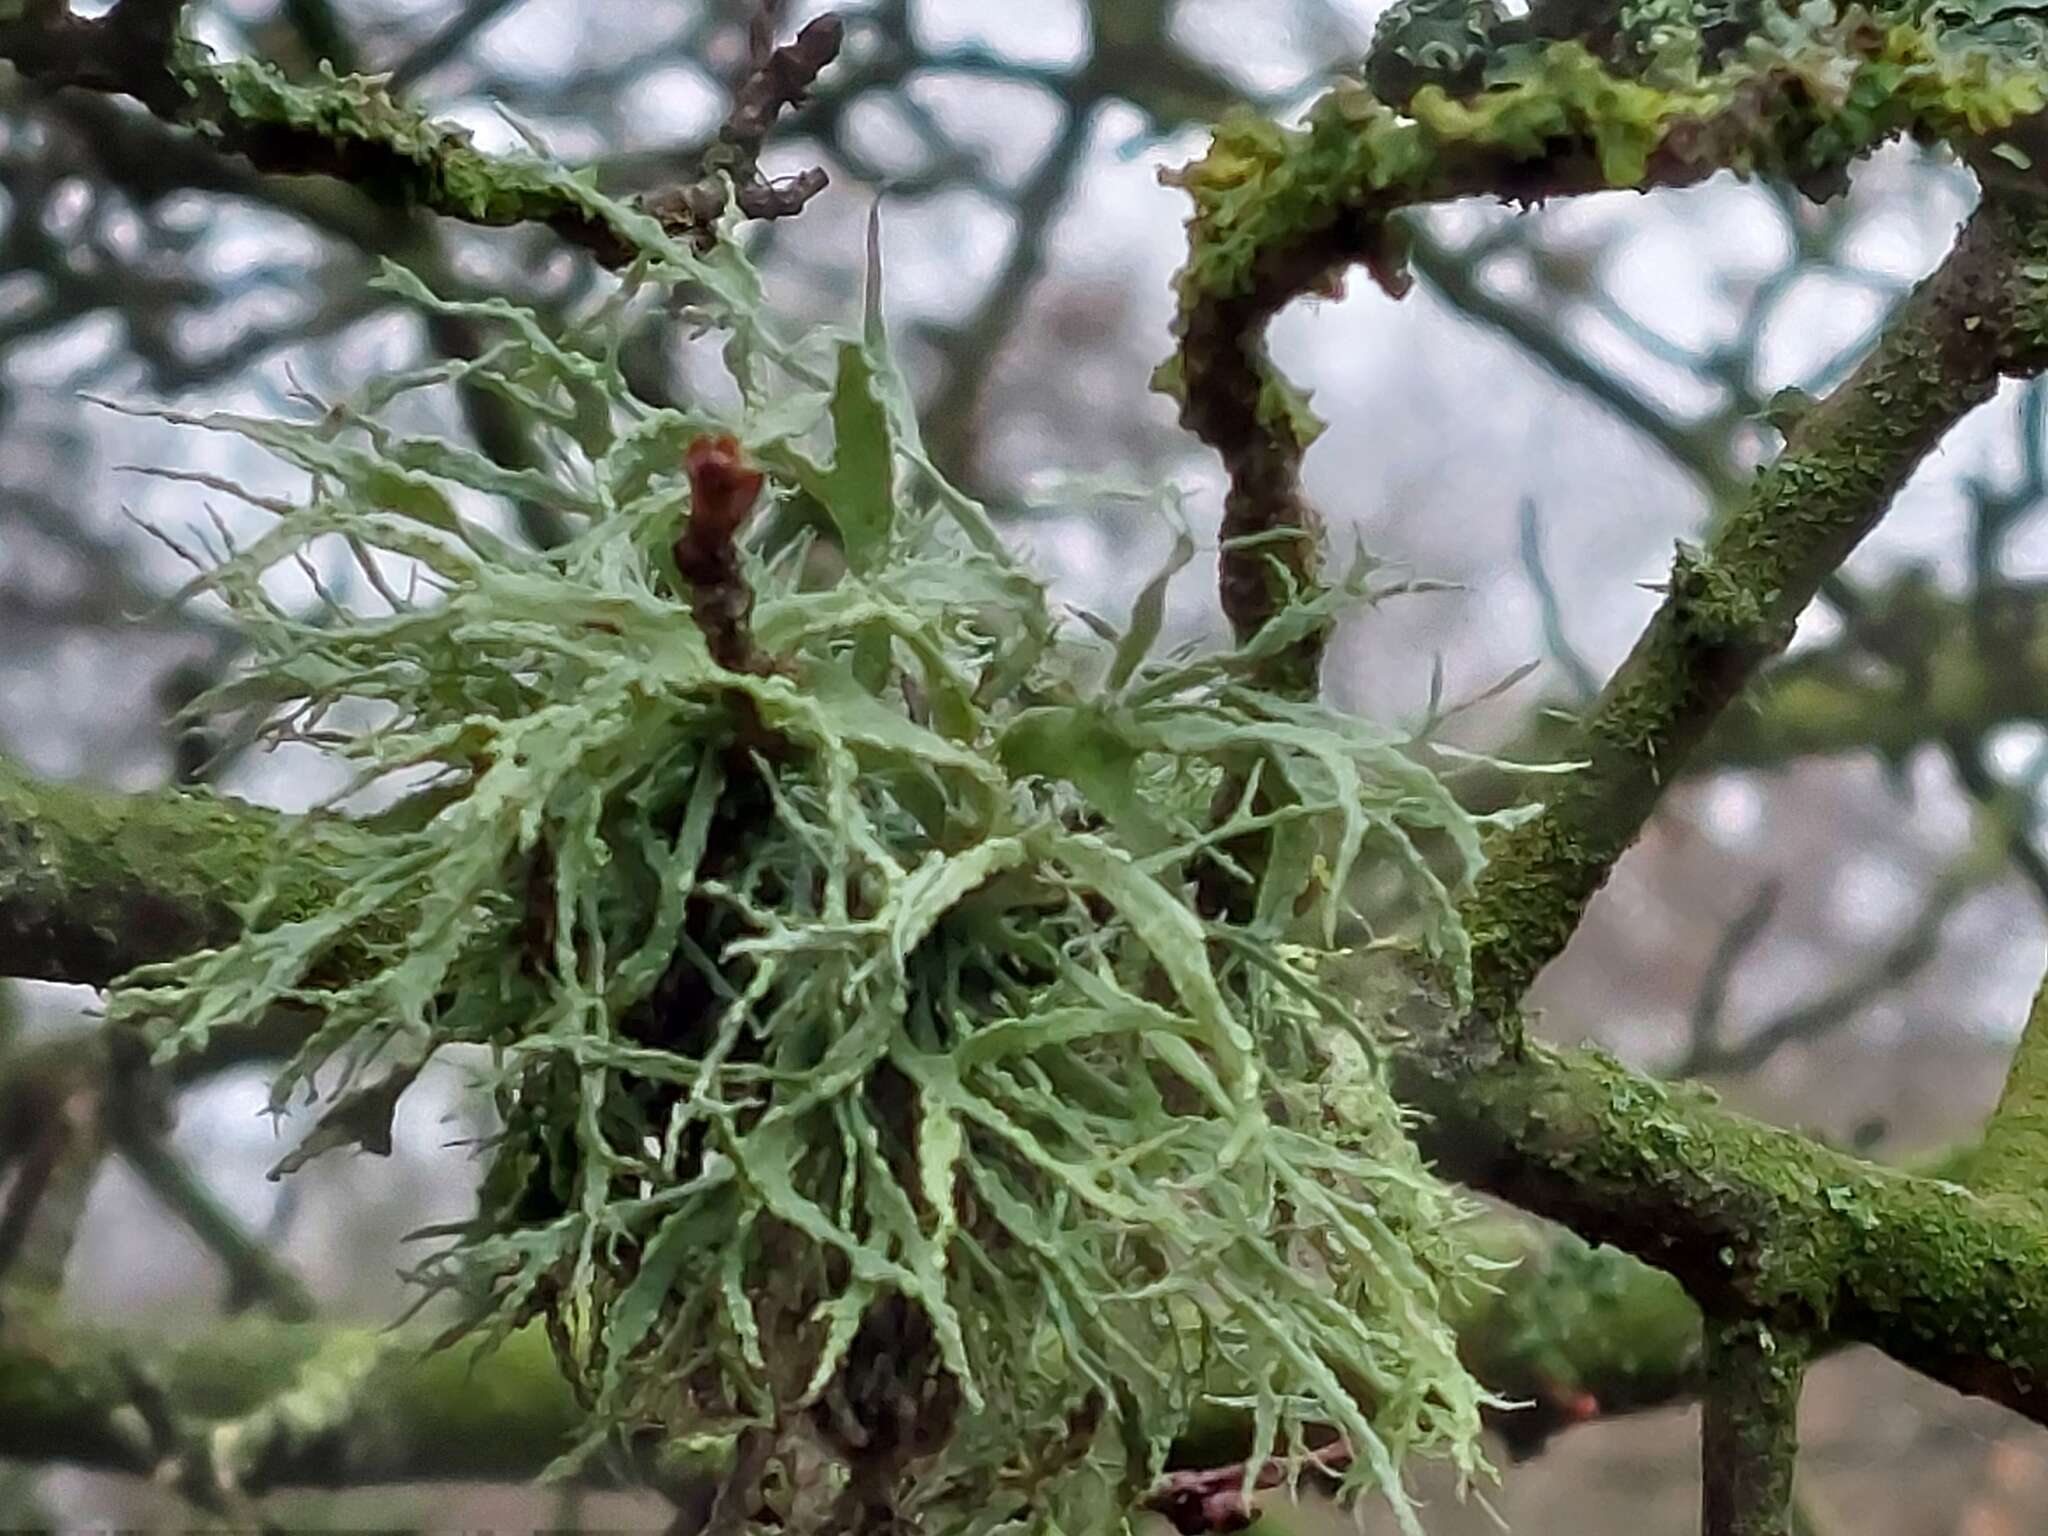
[(723, 488)]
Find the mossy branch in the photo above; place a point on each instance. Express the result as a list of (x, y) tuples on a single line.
[(1756, 1224), (351, 127), (66, 1390), (1754, 1221), (2014, 1155), (1746, 1216), (1732, 606), (94, 884), (1280, 213), (1749, 1435), (504, 1415)]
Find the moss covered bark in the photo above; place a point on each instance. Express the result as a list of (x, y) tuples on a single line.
[(1776, 1237), (1572, 1332), (1754, 1221), (351, 128), (2014, 1155), (1749, 1218), (391, 1413), (92, 884), (1750, 1436), (1731, 606)]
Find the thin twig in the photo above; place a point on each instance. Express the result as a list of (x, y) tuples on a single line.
[(1710, 1007), (1805, 1023), (452, 37), (1583, 682), (255, 1275)]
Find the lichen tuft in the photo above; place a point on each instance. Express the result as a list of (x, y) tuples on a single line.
[(878, 1105)]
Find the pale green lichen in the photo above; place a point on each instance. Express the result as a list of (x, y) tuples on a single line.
[(866, 1066)]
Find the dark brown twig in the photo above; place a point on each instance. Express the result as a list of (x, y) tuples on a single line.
[(780, 79)]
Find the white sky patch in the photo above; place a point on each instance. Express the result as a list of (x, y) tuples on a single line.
[(676, 104), (1121, 220), (939, 254), (2015, 749), (1909, 203), (1872, 898), (1819, 626), (1254, 42), (1658, 274), (1734, 809), (880, 128), (1659, 377), (65, 208), (1052, 34), (535, 38), (19, 293), (1818, 321), (1274, 46), (214, 31), (57, 357), (1007, 124), (490, 132)]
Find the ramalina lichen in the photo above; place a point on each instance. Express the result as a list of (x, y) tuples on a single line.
[(882, 1117)]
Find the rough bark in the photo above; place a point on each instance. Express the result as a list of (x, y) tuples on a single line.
[(1750, 1435)]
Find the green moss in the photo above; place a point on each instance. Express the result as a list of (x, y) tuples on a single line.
[(1575, 1317), (1262, 189), (94, 883), (1759, 1222), (1750, 1433), (1734, 604), (285, 1403), (351, 126), (2015, 1148), (1284, 411), (56, 1394)]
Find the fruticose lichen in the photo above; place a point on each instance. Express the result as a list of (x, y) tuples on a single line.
[(879, 1109)]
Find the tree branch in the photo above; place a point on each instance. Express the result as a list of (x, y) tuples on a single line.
[(1752, 1220), (93, 884), (2014, 1154), (1749, 1435), (255, 1275), (351, 127), (1747, 1217), (1732, 606), (64, 1392), (413, 1416)]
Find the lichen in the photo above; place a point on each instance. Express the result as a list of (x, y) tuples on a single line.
[(873, 1086)]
